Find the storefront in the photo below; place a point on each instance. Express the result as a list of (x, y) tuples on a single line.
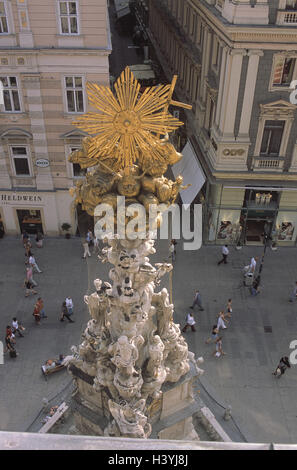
[(243, 215), (36, 211)]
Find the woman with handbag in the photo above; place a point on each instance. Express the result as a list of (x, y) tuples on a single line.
[(282, 366)]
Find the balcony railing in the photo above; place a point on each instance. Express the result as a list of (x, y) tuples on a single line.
[(287, 17), (268, 163)]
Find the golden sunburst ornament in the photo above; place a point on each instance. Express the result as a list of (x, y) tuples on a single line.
[(129, 123)]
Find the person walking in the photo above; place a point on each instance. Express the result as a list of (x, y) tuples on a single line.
[(294, 293), (28, 252), (32, 262), (69, 305), (229, 308), (39, 240), (197, 301), (17, 328), (29, 288), (65, 313), (36, 314), (86, 249), (253, 264), (172, 250), (282, 366), (214, 335), (225, 253), (10, 342), (219, 350), (29, 275), (40, 307), (190, 321), (255, 287), (221, 321)]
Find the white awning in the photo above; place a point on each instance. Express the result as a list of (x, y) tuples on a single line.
[(190, 169)]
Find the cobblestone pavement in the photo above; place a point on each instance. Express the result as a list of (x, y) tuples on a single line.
[(264, 408)]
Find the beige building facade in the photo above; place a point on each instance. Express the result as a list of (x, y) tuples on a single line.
[(236, 62), (48, 53)]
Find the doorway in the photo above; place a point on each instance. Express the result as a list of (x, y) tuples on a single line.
[(256, 228), (30, 220)]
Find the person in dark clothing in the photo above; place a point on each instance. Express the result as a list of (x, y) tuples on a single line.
[(65, 313), (282, 366), (255, 287)]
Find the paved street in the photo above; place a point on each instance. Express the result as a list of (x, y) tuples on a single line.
[(263, 407)]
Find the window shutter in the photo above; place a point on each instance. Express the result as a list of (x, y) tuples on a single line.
[(278, 70)]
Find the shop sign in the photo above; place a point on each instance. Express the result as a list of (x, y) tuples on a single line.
[(9, 198), (42, 162)]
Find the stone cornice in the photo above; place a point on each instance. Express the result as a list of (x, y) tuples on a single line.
[(244, 37)]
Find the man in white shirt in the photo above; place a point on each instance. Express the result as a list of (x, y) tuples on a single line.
[(69, 305), (253, 265), (225, 253), (32, 262), (190, 321)]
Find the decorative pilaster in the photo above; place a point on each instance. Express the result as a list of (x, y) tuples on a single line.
[(34, 100), (249, 92), (230, 91)]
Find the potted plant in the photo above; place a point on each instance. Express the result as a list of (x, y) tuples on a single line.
[(274, 246), (66, 227), (239, 245)]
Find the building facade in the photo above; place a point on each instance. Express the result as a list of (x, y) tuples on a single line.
[(48, 52), (236, 61)]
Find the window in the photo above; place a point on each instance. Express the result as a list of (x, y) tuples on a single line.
[(68, 17), (20, 160), (291, 5), (74, 94), (10, 94), (77, 171), (272, 137), (3, 19), (283, 71)]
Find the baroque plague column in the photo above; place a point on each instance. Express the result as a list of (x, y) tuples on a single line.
[(133, 372)]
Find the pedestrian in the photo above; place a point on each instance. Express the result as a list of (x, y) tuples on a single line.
[(39, 240), (32, 262), (172, 250), (17, 328), (282, 366), (69, 305), (253, 264), (29, 288), (40, 307), (221, 321), (190, 321), (197, 301), (229, 308), (225, 253), (219, 350), (86, 249), (36, 314), (10, 342), (214, 335), (28, 252), (29, 275), (25, 237), (294, 293), (65, 313), (255, 287)]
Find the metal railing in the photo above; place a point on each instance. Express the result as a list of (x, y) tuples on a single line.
[(268, 163), (287, 18)]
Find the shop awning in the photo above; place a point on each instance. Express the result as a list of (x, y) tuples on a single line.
[(142, 71), (192, 173), (122, 8)]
